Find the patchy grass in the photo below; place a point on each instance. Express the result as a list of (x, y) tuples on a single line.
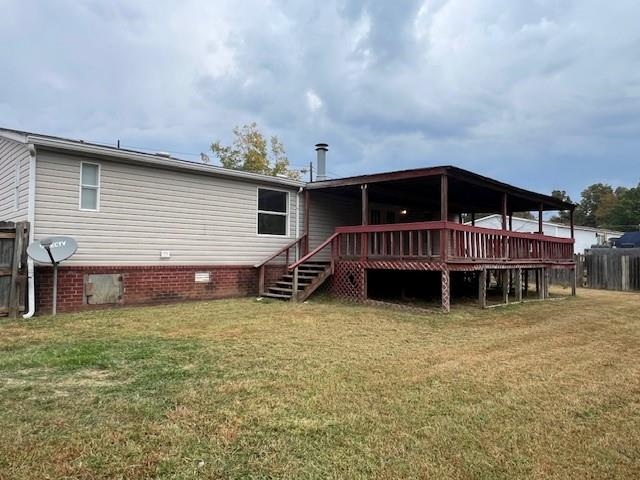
[(246, 389)]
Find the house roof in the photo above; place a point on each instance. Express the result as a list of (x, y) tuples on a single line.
[(551, 224), (468, 192), (80, 147)]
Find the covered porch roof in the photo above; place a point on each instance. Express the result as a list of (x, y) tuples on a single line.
[(465, 191)]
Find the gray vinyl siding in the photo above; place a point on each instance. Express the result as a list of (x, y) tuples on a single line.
[(13, 155), (328, 212), (199, 218)]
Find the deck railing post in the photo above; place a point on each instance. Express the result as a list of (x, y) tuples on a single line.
[(294, 286), (261, 280)]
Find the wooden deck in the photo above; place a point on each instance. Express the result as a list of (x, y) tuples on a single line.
[(438, 246)]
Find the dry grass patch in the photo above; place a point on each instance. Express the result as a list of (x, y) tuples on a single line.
[(245, 389)]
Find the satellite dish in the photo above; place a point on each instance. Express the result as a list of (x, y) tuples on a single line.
[(61, 248), (53, 250)]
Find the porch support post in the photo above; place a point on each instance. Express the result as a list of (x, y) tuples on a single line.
[(473, 219), (518, 285), (444, 216), (540, 274), (444, 197), (482, 288), (446, 291), (573, 281), (540, 208), (365, 204), (364, 237), (511, 221), (505, 240), (504, 211), (505, 286), (526, 282), (547, 281), (571, 223)]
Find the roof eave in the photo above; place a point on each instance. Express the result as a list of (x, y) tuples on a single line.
[(155, 160)]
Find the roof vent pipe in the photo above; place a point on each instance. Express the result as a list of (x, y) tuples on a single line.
[(321, 155)]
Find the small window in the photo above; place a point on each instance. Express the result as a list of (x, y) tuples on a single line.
[(272, 212), (89, 186)]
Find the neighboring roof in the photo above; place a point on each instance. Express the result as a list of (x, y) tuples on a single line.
[(629, 238), (80, 147), (552, 224), (527, 197)]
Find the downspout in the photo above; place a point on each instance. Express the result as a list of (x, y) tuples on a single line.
[(298, 221), (31, 215), (294, 283)]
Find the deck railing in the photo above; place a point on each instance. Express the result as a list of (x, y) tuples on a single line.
[(448, 241), (282, 258)]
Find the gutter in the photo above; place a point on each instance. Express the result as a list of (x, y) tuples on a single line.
[(31, 215)]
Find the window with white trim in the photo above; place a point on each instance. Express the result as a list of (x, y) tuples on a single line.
[(89, 186), (273, 212)]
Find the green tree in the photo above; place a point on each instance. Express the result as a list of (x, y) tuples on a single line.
[(594, 197), (252, 152), (563, 216), (625, 213)]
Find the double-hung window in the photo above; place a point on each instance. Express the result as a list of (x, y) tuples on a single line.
[(89, 186), (273, 212)]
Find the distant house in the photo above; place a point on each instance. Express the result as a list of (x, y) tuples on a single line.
[(628, 240), (153, 228), (585, 237)]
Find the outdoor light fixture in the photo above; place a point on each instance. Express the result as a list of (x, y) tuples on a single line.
[(403, 212)]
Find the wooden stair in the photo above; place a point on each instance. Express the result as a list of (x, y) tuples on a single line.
[(311, 275)]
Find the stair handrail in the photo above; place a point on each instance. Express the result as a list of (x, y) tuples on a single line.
[(281, 251), (314, 252), (261, 266)]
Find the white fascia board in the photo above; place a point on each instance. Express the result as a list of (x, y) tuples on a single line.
[(158, 161), (15, 136)]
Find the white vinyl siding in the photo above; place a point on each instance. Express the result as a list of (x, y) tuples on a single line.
[(328, 212), (89, 186), (14, 181), (200, 219)]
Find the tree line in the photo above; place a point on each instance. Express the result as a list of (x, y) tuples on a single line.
[(603, 206)]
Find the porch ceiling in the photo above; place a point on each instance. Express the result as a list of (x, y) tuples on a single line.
[(468, 192)]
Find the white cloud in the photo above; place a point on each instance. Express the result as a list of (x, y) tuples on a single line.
[(512, 89), (314, 102)]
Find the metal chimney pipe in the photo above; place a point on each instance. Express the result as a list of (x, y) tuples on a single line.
[(321, 155)]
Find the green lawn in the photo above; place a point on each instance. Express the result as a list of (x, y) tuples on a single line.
[(247, 389)]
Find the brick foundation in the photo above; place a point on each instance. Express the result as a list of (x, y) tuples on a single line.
[(147, 284)]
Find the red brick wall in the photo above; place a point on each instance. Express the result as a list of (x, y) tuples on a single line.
[(147, 284)]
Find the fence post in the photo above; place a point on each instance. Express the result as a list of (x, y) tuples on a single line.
[(18, 246)]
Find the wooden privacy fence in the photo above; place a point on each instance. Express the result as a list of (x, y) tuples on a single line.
[(14, 238), (612, 269), (604, 268)]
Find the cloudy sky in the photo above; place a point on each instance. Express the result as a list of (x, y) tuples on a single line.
[(541, 93)]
